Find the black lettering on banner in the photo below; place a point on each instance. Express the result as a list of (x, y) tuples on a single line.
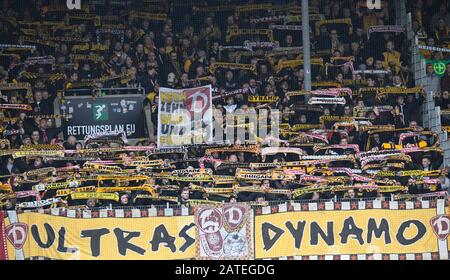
[(50, 236), (95, 235), (316, 230), (378, 231), (297, 233), (123, 241), (162, 236), (189, 240), (421, 230), (165, 129), (349, 228), (61, 241), (269, 242)]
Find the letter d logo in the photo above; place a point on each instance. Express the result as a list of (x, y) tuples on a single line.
[(17, 234), (373, 4), (73, 4)]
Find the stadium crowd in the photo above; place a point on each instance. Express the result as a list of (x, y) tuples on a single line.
[(357, 134)]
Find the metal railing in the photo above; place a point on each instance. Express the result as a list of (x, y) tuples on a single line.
[(176, 207), (117, 91), (103, 91)]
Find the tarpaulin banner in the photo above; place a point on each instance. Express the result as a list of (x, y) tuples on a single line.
[(225, 232), (58, 237), (325, 231), (103, 115), (184, 116)]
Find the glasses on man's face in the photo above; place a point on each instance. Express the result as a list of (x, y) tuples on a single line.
[(35, 135)]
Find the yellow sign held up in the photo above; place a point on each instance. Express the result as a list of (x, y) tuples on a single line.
[(263, 99)]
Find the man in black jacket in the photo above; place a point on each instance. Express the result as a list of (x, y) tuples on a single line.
[(401, 113), (42, 105), (150, 80), (48, 133), (7, 167), (71, 143)]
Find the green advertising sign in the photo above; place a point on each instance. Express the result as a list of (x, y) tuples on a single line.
[(100, 112), (439, 66)]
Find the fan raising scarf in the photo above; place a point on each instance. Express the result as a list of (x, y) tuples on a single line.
[(267, 19), (385, 29), (433, 49), (285, 27), (25, 107), (326, 101)]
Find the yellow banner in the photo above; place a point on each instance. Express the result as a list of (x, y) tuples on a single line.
[(92, 195), (344, 232), (152, 238), (298, 233)]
